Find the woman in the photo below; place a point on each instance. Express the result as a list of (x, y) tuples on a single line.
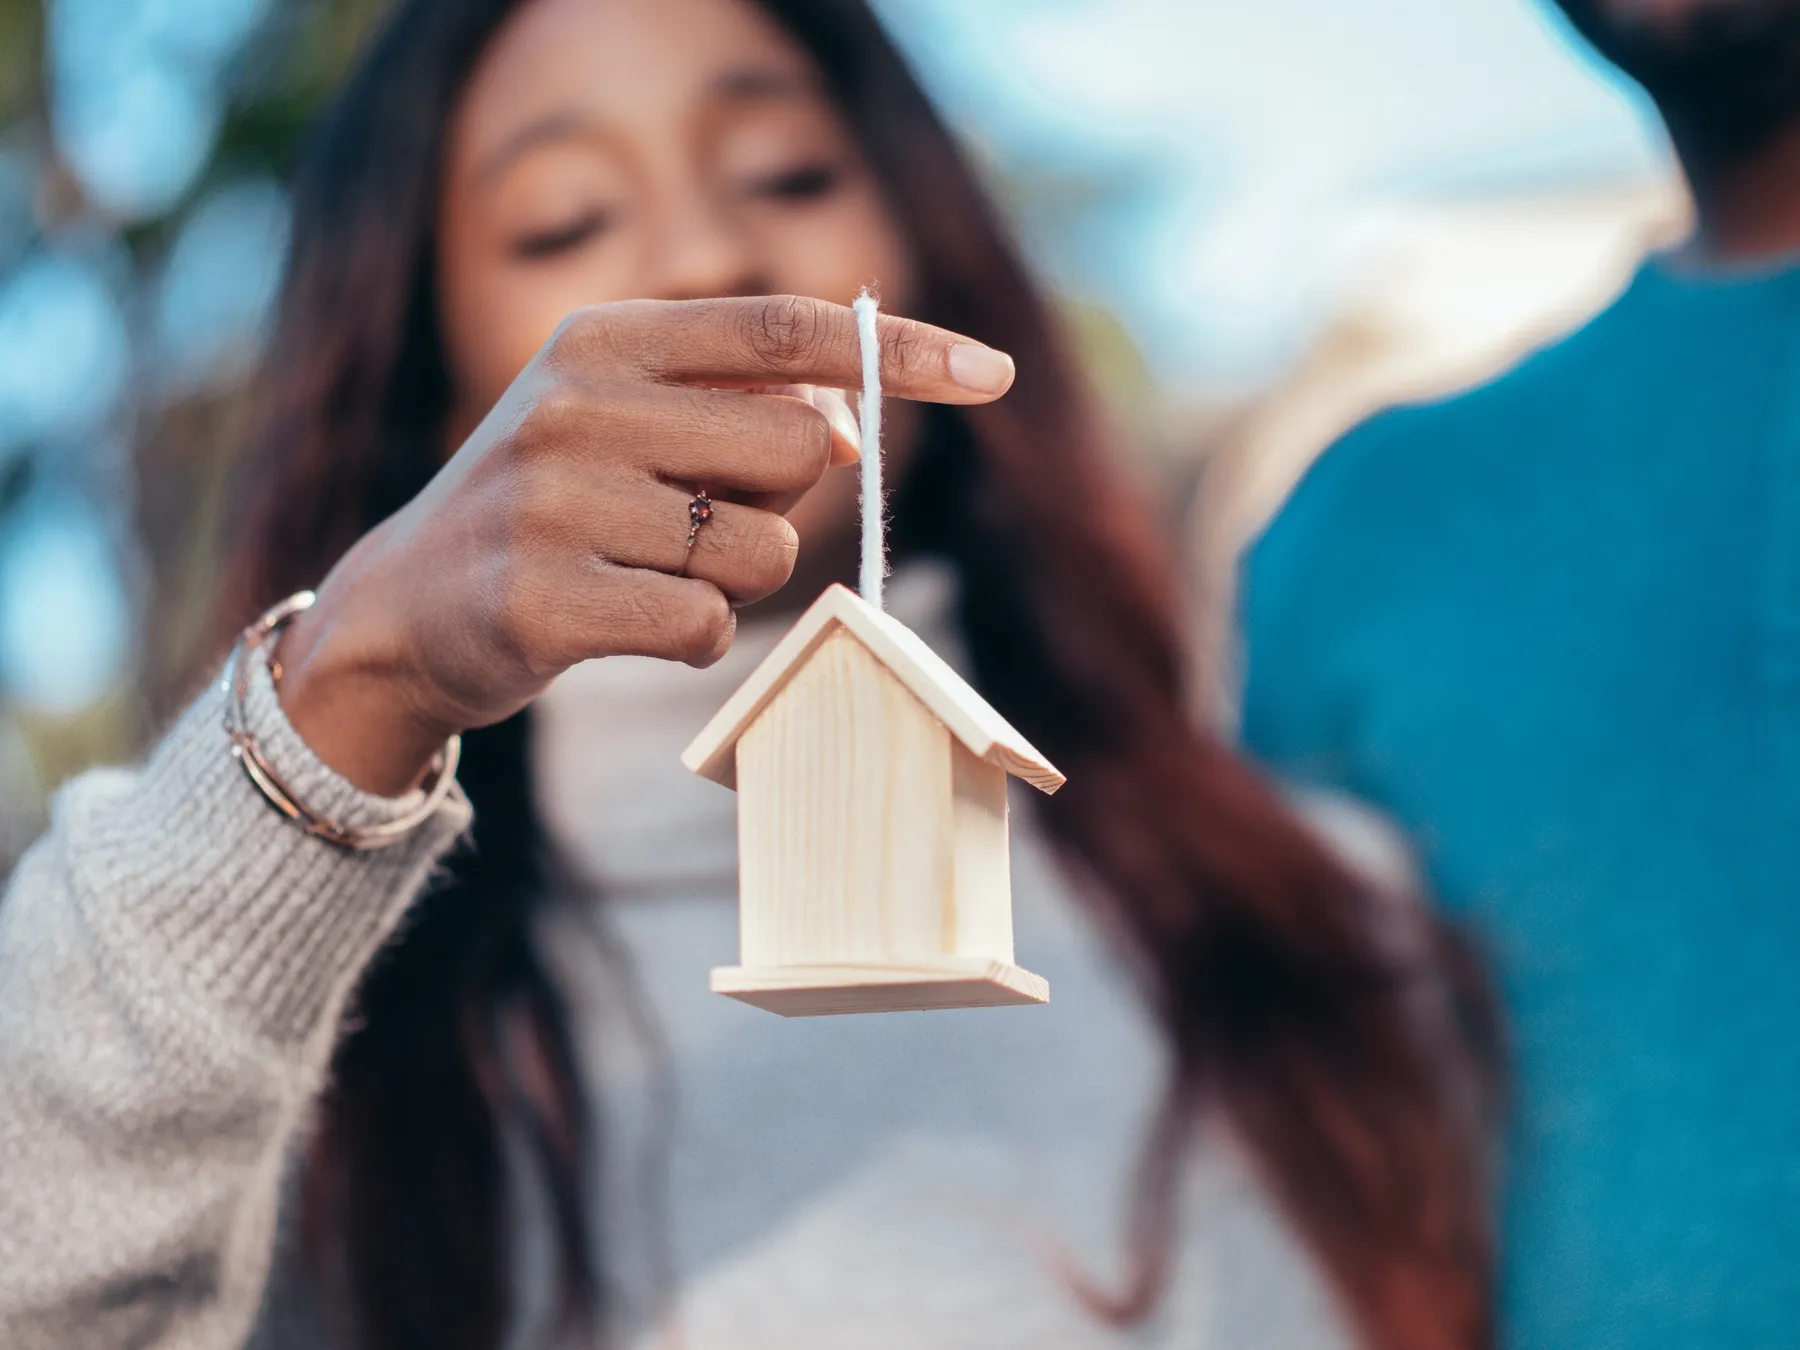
[(489, 518)]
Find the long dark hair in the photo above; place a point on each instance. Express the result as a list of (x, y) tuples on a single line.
[(1342, 1034)]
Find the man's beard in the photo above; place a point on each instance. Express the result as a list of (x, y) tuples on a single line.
[(1726, 73)]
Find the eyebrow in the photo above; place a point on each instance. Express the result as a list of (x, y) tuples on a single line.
[(752, 84), (556, 126), (747, 84)]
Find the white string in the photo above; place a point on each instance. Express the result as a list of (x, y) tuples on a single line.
[(874, 511)]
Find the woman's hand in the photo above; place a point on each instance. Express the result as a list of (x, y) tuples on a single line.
[(558, 531)]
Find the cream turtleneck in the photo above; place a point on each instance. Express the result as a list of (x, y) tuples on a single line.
[(889, 1181)]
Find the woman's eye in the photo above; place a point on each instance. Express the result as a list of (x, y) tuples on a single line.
[(798, 185), (548, 243)]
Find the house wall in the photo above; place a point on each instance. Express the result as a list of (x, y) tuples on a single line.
[(848, 839), (983, 919)]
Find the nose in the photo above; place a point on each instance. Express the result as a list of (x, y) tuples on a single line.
[(700, 252)]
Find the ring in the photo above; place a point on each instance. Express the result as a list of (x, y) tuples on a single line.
[(700, 510)]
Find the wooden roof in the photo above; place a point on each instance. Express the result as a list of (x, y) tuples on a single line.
[(968, 716)]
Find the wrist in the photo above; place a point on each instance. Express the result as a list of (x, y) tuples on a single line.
[(351, 694)]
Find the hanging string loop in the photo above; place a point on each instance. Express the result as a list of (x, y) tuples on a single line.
[(874, 508)]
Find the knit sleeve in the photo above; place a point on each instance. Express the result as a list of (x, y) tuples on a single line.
[(175, 960)]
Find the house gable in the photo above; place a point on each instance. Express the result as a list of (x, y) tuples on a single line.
[(967, 716)]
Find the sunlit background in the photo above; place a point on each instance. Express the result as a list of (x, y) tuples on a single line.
[(1266, 219)]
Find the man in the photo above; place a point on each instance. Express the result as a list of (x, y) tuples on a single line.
[(1553, 629)]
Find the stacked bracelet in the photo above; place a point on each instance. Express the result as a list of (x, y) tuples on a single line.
[(440, 776)]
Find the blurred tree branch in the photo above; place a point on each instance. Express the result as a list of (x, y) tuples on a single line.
[(21, 50)]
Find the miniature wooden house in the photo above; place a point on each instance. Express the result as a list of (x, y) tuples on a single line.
[(872, 833)]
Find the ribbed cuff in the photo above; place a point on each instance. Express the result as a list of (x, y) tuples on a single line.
[(263, 921)]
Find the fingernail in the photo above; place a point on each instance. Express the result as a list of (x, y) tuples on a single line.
[(837, 412), (981, 369)]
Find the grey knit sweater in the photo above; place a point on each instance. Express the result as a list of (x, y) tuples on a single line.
[(174, 964), (175, 961)]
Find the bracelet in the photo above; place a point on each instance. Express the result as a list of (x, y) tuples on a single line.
[(440, 776)]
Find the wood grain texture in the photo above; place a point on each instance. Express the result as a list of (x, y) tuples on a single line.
[(846, 838), (982, 925), (825, 990)]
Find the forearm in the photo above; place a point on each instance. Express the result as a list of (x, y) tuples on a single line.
[(175, 960)]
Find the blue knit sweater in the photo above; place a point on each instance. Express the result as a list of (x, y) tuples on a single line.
[(1553, 628)]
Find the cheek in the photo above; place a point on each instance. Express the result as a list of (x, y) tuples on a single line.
[(835, 250), (497, 313), (492, 327)]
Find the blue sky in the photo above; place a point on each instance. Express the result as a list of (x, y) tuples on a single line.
[(1264, 133)]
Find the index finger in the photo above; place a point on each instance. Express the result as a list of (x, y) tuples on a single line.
[(792, 339)]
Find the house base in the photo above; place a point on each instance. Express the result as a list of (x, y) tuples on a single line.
[(818, 991)]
